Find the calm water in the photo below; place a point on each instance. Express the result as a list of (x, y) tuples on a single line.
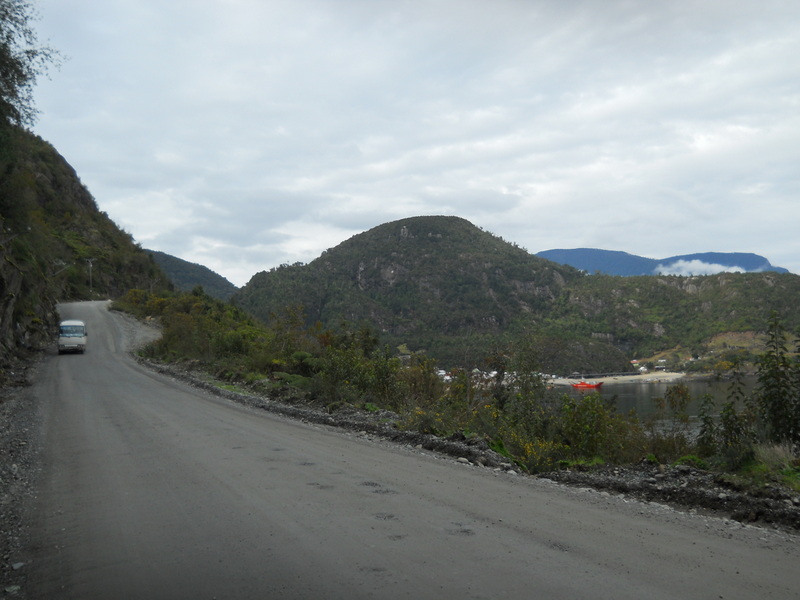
[(639, 395)]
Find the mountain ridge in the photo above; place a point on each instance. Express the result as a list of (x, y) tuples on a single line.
[(624, 264), (187, 275)]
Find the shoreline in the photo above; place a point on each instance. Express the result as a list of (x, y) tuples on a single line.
[(657, 377)]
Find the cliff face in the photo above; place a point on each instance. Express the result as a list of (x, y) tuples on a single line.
[(55, 244), (21, 326)]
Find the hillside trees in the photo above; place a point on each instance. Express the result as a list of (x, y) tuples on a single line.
[(767, 418)]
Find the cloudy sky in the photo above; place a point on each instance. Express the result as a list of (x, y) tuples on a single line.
[(242, 134)]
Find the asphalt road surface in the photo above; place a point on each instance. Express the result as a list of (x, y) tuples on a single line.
[(153, 489)]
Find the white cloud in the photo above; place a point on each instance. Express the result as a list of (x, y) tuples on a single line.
[(694, 267)]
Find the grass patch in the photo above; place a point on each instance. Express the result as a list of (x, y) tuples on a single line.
[(228, 387), (791, 478), (692, 461), (582, 464)]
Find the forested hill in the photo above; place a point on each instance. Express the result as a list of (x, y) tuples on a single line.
[(55, 243), (413, 275), (186, 276), (650, 314), (442, 285), (437, 284)]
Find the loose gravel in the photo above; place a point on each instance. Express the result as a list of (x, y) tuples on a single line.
[(20, 427)]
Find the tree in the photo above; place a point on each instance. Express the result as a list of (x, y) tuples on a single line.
[(22, 60), (778, 391)]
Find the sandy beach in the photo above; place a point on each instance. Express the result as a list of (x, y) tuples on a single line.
[(656, 377)]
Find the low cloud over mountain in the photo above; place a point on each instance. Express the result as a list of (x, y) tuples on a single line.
[(612, 262), (695, 267)]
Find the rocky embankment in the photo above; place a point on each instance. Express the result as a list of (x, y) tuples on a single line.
[(687, 488)]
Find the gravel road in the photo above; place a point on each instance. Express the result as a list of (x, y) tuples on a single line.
[(133, 484)]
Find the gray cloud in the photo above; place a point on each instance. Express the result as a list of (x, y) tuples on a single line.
[(247, 134)]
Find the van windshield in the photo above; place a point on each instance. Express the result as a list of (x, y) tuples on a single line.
[(71, 331)]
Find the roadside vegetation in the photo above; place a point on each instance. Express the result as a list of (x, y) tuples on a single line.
[(753, 437)]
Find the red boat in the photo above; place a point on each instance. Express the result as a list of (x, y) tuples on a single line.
[(585, 385)]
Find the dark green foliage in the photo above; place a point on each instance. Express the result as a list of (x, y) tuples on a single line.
[(22, 60), (512, 407), (592, 428), (199, 328), (347, 374), (420, 383), (736, 435), (708, 436), (770, 415), (567, 354), (728, 437), (778, 393)]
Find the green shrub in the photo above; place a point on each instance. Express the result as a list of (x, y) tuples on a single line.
[(591, 428)]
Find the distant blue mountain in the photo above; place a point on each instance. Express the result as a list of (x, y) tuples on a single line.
[(613, 262)]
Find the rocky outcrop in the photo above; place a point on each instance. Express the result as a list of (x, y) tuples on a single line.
[(27, 302)]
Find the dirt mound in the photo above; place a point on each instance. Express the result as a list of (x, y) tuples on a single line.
[(685, 487)]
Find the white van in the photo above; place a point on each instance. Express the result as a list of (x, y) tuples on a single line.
[(72, 336)]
